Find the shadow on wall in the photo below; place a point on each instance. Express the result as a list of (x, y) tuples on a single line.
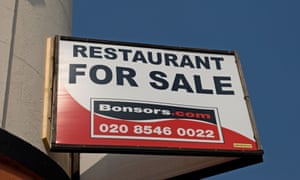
[(37, 2), (139, 167)]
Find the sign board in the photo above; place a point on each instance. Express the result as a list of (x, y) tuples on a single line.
[(139, 98)]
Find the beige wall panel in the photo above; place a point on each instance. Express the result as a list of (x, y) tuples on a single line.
[(35, 21)]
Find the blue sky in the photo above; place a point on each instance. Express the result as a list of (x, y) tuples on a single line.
[(266, 35)]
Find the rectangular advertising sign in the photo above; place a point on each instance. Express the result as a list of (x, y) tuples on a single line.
[(116, 96)]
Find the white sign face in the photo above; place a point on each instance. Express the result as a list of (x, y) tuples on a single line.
[(130, 95)]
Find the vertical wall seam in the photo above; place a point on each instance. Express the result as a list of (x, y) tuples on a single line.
[(9, 67)]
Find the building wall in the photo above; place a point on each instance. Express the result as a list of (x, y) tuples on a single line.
[(25, 25), (7, 13)]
